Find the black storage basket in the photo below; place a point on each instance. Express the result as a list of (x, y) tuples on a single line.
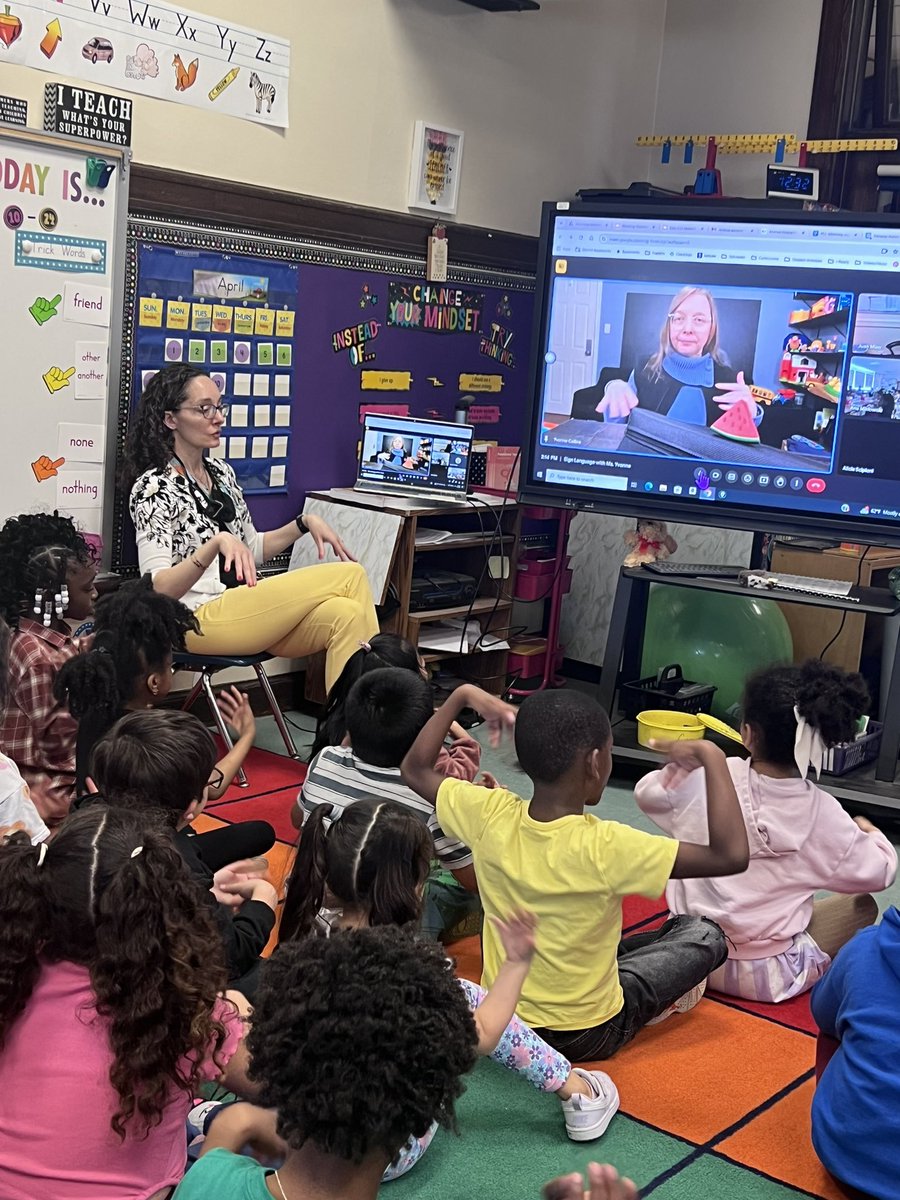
[(660, 692)]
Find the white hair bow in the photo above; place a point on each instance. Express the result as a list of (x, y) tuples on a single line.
[(809, 747)]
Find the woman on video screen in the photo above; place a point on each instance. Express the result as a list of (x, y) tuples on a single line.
[(687, 378)]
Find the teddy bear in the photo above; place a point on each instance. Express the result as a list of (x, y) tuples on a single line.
[(649, 542)]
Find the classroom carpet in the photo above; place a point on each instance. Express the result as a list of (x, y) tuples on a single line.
[(714, 1104)]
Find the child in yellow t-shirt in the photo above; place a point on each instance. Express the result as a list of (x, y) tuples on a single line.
[(589, 991)]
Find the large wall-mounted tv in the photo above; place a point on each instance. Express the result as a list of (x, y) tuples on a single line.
[(725, 366)]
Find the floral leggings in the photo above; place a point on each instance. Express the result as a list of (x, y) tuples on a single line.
[(520, 1050)]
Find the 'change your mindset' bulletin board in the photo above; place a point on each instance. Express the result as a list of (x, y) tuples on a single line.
[(63, 205), (302, 338)]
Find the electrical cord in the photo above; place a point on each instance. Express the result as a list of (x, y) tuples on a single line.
[(843, 620)]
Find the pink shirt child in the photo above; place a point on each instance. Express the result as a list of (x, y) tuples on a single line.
[(801, 841), (55, 1135)]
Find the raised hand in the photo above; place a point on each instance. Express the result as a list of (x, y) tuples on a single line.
[(518, 935), (618, 400), (684, 757), (737, 393), (498, 715), (234, 706)]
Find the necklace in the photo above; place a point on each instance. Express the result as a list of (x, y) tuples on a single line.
[(280, 1187)]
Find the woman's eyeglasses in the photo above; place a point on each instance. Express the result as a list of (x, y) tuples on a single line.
[(697, 321), (208, 411)]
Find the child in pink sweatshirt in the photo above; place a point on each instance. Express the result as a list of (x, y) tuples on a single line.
[(781, 939)]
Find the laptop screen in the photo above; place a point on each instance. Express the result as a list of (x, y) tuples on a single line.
[(408, 453)]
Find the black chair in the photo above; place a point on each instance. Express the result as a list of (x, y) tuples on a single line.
[(206, 665), (585, 400)]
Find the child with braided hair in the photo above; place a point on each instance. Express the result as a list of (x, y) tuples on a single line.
[(47, 573), (112, 977)]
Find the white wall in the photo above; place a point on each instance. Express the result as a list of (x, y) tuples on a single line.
[(742, 66), (549, 101)]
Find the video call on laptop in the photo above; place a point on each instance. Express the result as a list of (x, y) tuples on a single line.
[(406, 456)]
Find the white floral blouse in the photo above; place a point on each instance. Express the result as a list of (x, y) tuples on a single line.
[(170, 526)]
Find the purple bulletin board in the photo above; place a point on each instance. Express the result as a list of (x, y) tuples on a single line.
[(361, 317)]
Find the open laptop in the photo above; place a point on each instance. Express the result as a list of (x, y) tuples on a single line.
[(422, 459)]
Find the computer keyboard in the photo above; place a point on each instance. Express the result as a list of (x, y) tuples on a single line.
[(710, 570), (835, 589)]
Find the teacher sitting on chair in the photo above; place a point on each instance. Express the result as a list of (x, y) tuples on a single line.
[(197, 540)]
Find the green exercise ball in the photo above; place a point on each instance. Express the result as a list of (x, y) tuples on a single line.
[(716, 638)]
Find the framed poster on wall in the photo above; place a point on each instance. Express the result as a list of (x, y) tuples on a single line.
[(435, 168)]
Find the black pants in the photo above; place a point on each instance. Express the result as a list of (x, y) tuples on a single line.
[(655, 970), (245, 839)]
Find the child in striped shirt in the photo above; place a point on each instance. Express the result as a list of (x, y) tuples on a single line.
[(385, 711)]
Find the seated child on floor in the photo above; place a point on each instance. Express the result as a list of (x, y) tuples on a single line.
[(348, 1062), (128, 667), (854, 1110), (47, 573), (385, 710), (111, 1010), (16, 806), (369, 867), (781, 939), (166, 760), (589, 992), (460, 760)]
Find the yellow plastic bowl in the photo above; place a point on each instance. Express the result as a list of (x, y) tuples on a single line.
[(668, 726)]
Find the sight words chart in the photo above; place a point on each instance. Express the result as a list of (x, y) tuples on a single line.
[(63, 205)]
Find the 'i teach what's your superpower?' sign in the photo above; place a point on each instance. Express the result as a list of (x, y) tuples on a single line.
[(83, 113)]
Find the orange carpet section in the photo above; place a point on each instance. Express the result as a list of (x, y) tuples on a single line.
[(778, 1143), (733, 1080)]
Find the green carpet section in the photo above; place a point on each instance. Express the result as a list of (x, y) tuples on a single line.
[(711, 1177), (513, 1139)]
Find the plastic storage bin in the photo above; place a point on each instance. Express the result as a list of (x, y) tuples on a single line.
[(668, 689), (535, 576), (849, 755), (526, 658)]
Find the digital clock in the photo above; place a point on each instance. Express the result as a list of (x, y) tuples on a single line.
[(792, 183)]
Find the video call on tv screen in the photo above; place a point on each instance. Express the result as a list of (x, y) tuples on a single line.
[(743, 362)]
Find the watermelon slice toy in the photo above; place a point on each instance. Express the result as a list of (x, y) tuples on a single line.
[(737, 425)]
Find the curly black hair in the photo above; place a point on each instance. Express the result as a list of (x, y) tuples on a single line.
[(36, 552), (360, 1040), (375, 856), (135, 631), (141, 926), (382, 650), (831, 700), (149, 443), (554, 728), (158, 758)]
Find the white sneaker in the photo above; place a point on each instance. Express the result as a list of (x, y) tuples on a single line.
[(587, 1117), (684, 1004)]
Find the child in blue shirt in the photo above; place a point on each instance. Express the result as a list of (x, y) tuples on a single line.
[(854, 1111)]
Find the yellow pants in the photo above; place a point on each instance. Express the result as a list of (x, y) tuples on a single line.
[(326, 607)]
